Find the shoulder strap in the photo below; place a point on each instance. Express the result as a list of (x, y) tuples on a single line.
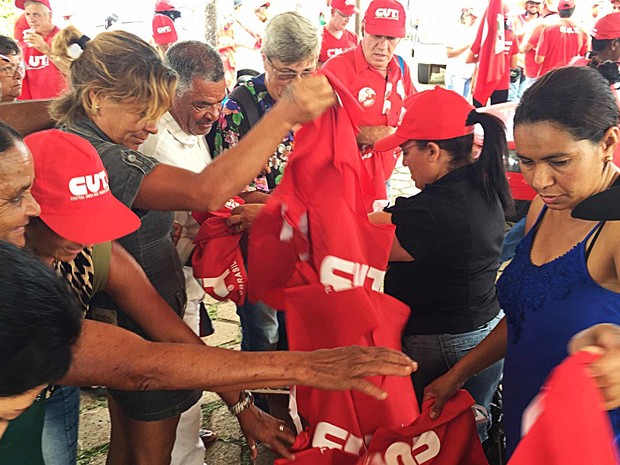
[(401, 63), (247, 103)]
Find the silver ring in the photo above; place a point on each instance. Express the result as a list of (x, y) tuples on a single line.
[(281, 427)]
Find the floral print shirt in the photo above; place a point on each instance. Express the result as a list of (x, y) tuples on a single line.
[(233, 125)]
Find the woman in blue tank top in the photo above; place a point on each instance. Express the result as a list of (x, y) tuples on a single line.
[(564, 277)]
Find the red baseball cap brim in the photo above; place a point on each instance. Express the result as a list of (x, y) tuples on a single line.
[(390, 142), (71, 187), (20, 4), (382, 30)]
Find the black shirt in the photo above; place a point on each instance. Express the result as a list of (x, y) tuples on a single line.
[(455, 237)]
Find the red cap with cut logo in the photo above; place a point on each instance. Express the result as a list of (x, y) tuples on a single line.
[(346, 7), (20, 4), (71, 186), (164, 31), (385, 18), (436, 114), (164, 5)]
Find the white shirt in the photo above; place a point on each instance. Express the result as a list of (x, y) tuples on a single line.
[(173, 146)]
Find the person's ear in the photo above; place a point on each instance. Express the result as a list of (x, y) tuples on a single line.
[(433, 152), (610, 142)]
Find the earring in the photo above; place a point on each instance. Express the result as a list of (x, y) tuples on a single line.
[(609, 158)]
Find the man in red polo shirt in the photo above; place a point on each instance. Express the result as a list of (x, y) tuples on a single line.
[(43, 79), (530, 42), (380, 80), (336, 38), (561, 40)]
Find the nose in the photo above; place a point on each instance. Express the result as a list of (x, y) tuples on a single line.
[(32, 207), (151, 126), (382, 42), (541, 178)]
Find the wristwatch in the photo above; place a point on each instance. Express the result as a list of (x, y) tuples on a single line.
[(246, 398)]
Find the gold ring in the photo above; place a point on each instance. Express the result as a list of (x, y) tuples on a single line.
[(253, 446), (240, 226), (281, 427)]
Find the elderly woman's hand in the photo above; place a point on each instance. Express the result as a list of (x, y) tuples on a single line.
[(260, 426), (305, 99), (602, 339), (347, 367)]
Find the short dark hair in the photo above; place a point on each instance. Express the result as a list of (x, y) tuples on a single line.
[(8, 46), (40, 322), (576, 98)]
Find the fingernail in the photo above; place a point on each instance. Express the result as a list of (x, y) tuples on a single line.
[(433, 415)]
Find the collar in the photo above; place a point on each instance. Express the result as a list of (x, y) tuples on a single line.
[(457, 175), (170, 124), (87, 126)]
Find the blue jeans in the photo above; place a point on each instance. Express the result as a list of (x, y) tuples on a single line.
[(437, 353), (461, 86), (60, 430), (259, 327)]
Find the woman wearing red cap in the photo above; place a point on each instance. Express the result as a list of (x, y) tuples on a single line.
[(34, 354), (448, 240), (564, 277), (115, 102)]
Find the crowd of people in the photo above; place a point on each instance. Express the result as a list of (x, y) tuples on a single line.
[(97, 228)]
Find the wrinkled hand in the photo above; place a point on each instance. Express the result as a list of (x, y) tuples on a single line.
[(305, 99), (34, 40), (177, 229), (260, 426), (243, 216), (369, 135), (442, 389), (602, 339), (347, 367)]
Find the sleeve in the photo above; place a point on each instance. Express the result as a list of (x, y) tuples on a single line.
[(407, 81), (126, 170), (102, 253), (231, 127), (416, 229), (543, 43)]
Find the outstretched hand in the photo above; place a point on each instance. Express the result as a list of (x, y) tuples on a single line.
[(442, 389), (347, 367)]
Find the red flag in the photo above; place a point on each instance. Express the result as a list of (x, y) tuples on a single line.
[(490, 41)]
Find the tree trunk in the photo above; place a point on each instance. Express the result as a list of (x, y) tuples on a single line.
[(211, 22)]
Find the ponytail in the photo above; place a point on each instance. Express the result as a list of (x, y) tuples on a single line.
[(490, 175)]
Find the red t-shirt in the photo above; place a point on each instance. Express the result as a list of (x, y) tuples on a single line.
[(381, 98), (559, 43), (43, 80), (532, 69), (331, 46)]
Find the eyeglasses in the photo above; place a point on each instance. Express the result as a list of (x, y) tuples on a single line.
[(288, 75), (11, 71), (343, 15)]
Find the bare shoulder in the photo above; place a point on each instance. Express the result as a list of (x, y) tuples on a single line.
[(533, 212)]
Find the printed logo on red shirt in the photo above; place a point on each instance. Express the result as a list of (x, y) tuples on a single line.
[(339, 274), (38, 62), (164, 29), (367, 97)]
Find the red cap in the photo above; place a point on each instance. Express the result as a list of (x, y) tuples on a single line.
[(566, 4), (71, 185), (20, 3), (385, 18), (164, 5), (608, 27), (436, 114), (346, 7), (164, 31)]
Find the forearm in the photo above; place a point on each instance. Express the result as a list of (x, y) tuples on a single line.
[(254, 197), (490, 350), (368, 135), (110, 356)]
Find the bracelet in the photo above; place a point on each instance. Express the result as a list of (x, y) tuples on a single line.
[(246, 398)]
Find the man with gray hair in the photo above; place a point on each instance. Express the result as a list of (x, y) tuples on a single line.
[(180, 142)]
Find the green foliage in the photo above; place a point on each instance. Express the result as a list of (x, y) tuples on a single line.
[(8, 16)]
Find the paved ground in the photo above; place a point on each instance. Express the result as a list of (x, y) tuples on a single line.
[(230, 448)]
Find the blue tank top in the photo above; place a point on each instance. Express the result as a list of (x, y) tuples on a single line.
[(545, 306)]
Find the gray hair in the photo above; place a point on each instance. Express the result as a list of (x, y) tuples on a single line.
[(32, 2), (291, 38), (193, 59)]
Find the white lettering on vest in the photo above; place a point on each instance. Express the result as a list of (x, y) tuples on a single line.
[(333, 437), (164, 29), (350, 274)]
